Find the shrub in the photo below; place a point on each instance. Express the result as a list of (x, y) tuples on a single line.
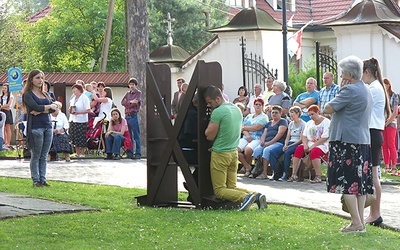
[(298, 77)]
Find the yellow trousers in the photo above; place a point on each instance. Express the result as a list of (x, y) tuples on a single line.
[(223, 169)]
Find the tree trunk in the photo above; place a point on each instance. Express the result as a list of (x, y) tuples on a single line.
[(138, 55)]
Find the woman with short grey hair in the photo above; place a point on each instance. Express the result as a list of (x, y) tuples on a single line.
[(280, 84), (350, 169), (351, 66)]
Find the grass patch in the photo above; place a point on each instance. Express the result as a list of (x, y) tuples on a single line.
[(122, 225), (389, 176), (12, 154), (9, 153)]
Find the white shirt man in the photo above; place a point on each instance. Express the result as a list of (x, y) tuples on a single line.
[(268, 89), (257, 94)]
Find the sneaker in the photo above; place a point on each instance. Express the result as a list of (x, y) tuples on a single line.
[(109, 157), (272, 178), (45, 184), (136, 157), (37, 184), (247, 202), (117, 157), (283, 177), (261, 201)]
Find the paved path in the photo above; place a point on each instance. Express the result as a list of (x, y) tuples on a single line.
[(132, 173)]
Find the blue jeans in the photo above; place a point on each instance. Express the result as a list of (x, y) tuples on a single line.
[(114, 143), (287, 156), (41, 139), (134, 130), (266, 151), (267, 154)]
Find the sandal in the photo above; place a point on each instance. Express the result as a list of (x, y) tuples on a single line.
[(388, 170), (396, 173), (246, 172), (242, 170), (317, 179), (262, 177), (353, 229), (293, 178)]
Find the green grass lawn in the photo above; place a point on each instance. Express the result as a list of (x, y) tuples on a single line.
[(120, 224)]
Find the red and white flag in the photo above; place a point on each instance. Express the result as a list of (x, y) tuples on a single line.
[(295, 42)]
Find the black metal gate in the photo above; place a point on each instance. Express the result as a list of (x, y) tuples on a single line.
[(254, 69), (325, 62)]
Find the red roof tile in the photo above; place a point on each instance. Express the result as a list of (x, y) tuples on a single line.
[(320, 11), (38, 15)]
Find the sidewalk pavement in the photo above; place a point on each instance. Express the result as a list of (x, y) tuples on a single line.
[(132, 173)]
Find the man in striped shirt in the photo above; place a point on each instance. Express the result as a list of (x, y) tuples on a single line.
[(328, 92)]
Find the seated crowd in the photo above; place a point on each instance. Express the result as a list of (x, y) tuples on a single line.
[(281, 131), (91, 109)]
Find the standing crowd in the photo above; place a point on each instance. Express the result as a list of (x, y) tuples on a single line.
[(47, 131), (350, 124), (347, 125)]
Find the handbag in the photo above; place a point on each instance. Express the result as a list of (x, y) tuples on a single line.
[(258, 166), (307, 162), (128, 141), (368, 200), (305, 169)]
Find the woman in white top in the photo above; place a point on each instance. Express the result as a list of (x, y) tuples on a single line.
[(106, 103), (60, 142), (380, 112), (7, 100), (79, 107), (315, 142), (292, 141)]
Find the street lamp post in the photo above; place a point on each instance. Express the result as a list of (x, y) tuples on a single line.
[(285, 53)]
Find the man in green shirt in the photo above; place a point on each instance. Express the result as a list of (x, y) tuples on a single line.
[(224, 129)]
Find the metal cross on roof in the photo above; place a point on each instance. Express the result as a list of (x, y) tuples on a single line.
[(169, 30)]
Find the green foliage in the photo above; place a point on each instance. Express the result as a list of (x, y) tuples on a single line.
[(70, 38), (189, 30), (119, 224), (298, 77), (11, 49)]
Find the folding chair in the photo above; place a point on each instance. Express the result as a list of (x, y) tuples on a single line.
[(22, 150), (123, 151)]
